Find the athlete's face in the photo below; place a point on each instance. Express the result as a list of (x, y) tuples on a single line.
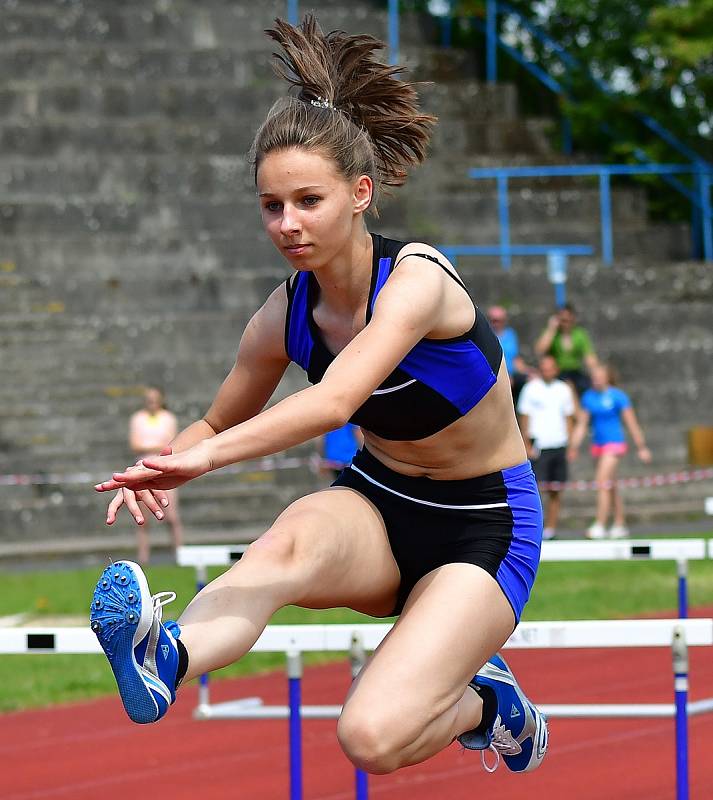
[(308, 208)]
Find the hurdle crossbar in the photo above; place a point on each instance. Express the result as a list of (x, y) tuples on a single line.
[(339, 638)]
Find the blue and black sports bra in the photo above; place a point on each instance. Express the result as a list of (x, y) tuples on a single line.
[(436, 383)]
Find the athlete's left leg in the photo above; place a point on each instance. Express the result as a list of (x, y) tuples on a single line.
[(413, 697)]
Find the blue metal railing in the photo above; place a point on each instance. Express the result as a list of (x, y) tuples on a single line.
[(604, 172), (557, 258), (701, 171)]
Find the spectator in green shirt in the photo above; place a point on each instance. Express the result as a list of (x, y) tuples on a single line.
[(569, 344)]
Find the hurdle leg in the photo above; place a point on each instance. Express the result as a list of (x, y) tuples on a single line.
[(682, 565), (294, 677), (203, 688), (680, 683), (357, 657)]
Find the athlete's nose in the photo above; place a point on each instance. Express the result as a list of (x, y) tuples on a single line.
[(290, 224)]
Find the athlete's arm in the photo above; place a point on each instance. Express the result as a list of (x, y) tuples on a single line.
[(260, 363), (408, 308)]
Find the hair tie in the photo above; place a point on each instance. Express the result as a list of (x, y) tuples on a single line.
[(321, 102)]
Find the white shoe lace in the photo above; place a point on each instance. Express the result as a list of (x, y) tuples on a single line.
[(159, 601), (502, 742)]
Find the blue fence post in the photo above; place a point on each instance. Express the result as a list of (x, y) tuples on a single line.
[(566, 136), (680, 686), (447, 26), (696, 219), (504, 218), (393, 31), (293, 12), (491, 37), (605, 217), (294, 676), (557, 274), (704, 187)]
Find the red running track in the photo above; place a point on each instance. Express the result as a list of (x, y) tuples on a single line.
[(90, 750)]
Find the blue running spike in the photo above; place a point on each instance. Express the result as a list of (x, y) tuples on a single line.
[(141, 650), (519, 731)]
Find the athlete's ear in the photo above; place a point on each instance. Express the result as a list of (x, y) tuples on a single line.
[(362, 193)]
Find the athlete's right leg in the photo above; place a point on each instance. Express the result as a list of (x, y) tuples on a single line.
[(327, 549)]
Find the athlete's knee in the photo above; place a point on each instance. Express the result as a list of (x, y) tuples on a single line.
[(275, 548), (373, 741)]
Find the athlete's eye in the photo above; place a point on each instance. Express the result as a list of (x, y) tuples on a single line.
[(311, 200), (272, 206)]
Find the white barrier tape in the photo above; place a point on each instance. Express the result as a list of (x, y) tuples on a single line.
[(645, 481), (272, 463)]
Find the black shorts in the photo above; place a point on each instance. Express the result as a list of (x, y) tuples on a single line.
[(493, 521), (551, 465)]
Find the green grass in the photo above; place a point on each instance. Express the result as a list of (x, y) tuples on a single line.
[(605, 590)]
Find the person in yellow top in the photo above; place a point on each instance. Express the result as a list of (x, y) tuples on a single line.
[(150, 430)]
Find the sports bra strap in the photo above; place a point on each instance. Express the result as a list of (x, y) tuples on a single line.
[(455, 277)]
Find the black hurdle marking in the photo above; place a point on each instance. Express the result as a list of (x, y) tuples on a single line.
[(235, 555), (40, 641), (641, 551)]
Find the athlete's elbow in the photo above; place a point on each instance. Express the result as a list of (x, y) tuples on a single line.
[(337, 408)]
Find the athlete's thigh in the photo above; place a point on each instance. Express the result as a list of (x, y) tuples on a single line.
[(455, 618), (338, 549)]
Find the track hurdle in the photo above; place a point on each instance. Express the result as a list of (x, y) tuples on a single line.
[(679, 550), (678, 634)]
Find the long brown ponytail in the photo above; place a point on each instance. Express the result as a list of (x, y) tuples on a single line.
[(348, 105)]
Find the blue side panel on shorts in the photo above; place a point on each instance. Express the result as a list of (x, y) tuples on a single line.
[(299, 338), (443, 365), (517, 571)]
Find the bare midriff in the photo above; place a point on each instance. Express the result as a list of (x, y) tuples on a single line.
[(487, 439)]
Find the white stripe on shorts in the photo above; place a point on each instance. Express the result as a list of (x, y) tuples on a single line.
[(394, 388), (425, 502)]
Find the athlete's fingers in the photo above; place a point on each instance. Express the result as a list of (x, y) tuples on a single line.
[(114, 506), (147, 498), (133, 507), (162, 497)]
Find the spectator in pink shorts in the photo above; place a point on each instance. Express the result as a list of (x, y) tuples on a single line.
[(605, 407), (151, 429)]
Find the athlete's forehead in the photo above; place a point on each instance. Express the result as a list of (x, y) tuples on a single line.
[(294, 170), (315, 187)]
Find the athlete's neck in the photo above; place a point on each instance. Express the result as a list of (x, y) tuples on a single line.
[(344, 282)]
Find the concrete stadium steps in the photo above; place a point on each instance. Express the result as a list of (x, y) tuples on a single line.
[(190, 97), (203, 506), (131, 250), (209, 24)]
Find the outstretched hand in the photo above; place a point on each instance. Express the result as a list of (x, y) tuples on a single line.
[(165, 471)]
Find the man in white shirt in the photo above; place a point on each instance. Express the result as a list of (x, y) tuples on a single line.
[(546, 410)]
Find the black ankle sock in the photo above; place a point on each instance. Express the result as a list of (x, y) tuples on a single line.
[(182, 662), (490, 707)]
